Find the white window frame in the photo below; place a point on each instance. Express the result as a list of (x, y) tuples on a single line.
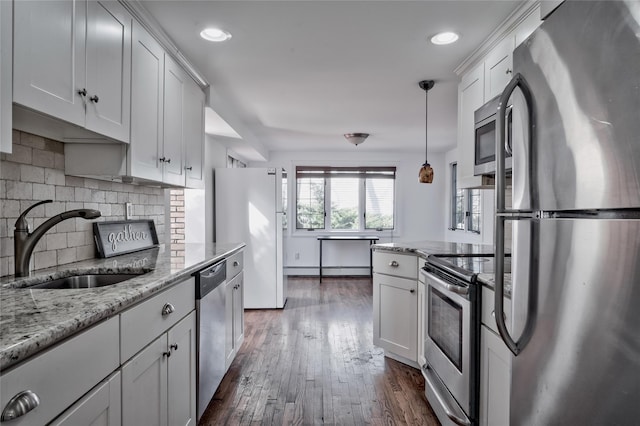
[(361, 201)]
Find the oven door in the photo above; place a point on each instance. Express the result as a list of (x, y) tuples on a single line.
[(448, 336)]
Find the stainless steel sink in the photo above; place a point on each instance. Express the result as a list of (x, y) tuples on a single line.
[(85, 281)]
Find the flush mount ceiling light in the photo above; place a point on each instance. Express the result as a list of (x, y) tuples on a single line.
[(356, 138), (426, 172), (215, 34), (446, 37)]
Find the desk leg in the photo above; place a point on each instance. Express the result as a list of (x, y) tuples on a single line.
[(370, 260), (320, 268)]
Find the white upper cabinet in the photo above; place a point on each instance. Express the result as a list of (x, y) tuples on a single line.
[(498, 68), (194, 135), (6, 97), (108, 79), (72, 62), (175, 81), (147, 97), (49, 57)]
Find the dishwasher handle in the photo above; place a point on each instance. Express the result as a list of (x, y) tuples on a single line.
[(210, 278)]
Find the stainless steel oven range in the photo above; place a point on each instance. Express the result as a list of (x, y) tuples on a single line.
[(452, 337)]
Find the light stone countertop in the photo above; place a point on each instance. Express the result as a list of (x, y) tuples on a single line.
[(425, 248), (34, 319)]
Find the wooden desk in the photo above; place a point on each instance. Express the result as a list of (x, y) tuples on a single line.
[(371, 240)]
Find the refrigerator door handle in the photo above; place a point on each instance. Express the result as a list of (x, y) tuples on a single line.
[(517, 81)]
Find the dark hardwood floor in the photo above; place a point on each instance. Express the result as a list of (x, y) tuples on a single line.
[(314, 362)]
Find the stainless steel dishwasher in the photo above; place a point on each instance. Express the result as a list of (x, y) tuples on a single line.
[(210, 308)]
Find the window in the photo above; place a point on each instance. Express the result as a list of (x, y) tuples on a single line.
[(466, 206), (345, 198)]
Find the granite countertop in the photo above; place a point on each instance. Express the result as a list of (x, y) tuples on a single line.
[(34, 319), (425, 248), (488, 280)]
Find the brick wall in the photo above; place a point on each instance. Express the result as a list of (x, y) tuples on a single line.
[(176, 233), (34, 171)]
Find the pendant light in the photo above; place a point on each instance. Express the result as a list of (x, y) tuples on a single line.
[(426, 172)]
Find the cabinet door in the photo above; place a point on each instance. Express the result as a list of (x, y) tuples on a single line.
[(395, 310), (470, 98), (229, 349), (49, 57), (498, 68), (147, 97), (182, 372), (194, 135), (6, 67), (173, 145), (108, 78), (495, 380), (238, 312), (144, 386), (100, 407)]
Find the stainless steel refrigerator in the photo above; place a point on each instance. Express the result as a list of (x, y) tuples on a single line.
[(575, 334), (249, 209)]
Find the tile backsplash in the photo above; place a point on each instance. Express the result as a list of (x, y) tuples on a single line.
[(34, 171)]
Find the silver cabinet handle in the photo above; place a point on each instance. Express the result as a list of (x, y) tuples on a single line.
[(235, 263), (394, 263), (167, 309), (20, 405)]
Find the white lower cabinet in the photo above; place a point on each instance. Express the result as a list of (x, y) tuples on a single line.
[(100, 407), (158, 384), (234, 317), (395, 308), (495, 379)]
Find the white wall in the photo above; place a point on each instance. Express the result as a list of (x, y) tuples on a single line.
[(419, 208), (199, 203), (488, 209)]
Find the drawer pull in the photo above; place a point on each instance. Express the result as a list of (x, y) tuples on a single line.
[(166, 354), (174, 346), (20, 405), (235, 263), (394, 263), (413, 290), (167, 309)]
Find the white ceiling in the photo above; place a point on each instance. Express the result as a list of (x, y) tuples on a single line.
[(297, 75)]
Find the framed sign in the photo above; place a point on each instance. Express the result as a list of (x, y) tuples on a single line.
[(124, 236)]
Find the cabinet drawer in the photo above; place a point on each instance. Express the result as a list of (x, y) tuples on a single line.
[(235, 264), (61, 375), (488, 310), (395, 264), (144, 322)]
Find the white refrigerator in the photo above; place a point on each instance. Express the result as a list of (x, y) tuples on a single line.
[(249, 209)]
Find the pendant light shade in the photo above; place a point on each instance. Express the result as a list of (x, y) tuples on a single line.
[(426, 172)]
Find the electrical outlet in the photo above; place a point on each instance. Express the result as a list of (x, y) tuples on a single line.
[(128, 211)]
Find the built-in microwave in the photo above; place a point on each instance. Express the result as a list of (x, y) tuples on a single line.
[(485, 138)]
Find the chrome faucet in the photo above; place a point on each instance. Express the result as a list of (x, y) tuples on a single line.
[(24, 241)]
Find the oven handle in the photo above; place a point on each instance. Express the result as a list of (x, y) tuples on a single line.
[(433, 382), (445, 286)]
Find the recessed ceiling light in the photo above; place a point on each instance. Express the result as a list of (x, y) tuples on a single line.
[(215, 34), (444, 38)]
